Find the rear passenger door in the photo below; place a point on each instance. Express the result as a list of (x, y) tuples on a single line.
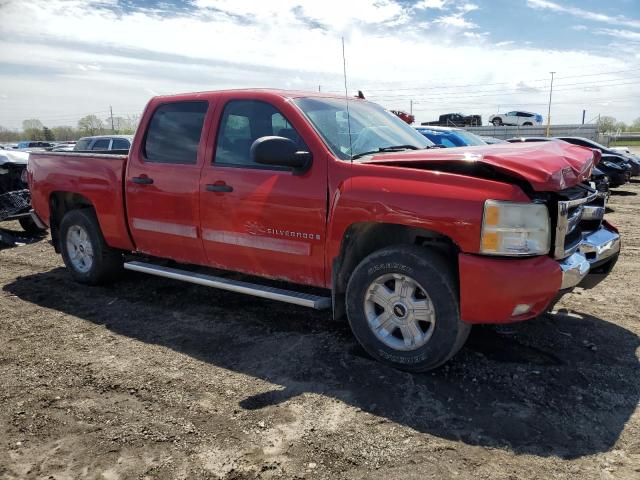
[(259, 219), (162, 182)]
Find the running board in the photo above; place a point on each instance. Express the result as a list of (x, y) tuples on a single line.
[(288, 296)]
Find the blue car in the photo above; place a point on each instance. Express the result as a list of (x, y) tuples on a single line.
[(450, 137)]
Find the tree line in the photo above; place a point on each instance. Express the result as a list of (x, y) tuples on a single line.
[(34, 129)]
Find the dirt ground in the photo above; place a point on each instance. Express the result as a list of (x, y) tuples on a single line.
[(151, 378)]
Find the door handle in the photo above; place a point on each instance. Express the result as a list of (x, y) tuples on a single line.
[(219, 187), (142, 180)]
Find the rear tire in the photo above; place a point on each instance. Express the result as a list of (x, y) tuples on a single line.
[(402, 306), (527, 124), (85, 253), (29, 226), (496, 122)]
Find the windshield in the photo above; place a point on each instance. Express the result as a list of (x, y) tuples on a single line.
[(469, 138), (372, 127), (451, 138)]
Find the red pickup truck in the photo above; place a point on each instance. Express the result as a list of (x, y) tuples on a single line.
[(411, 243)]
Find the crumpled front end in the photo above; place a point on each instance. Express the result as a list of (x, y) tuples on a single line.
[(584, 250)]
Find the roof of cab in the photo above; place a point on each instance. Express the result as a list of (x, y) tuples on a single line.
[(266, 92)]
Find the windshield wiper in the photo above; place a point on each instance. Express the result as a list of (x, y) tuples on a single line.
[(393, 148)]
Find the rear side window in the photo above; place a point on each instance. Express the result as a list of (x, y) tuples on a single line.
[(174, 133), (120, 144), (101, 144), (83, 144)]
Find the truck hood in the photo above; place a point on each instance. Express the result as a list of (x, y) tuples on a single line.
[(16, 158), (545, 166)]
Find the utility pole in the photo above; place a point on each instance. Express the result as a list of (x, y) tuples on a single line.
[(584, 112), (549, 112), (318, 87), (410, 107), (111, 113)]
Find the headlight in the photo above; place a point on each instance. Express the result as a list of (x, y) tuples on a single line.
[(510, 228)]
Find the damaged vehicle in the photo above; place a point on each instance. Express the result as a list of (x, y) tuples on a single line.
[(15, 200), (344, 205)]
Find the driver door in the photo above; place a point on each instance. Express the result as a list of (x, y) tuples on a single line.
[(259, 219)]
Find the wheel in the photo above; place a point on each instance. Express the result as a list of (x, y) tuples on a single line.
[(402, 307), (29, 226), (527, 124), (496, 122), (84, 250)]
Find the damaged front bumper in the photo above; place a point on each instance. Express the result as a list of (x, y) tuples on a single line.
[(593, 260)]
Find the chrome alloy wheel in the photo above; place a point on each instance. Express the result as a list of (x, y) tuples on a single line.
[(79, 248), (399, 312)]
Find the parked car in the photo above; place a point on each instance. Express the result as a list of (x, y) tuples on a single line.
[(64, 147), (626, 150), (15, 201), (616, 169), (631, 160), (618, 172), (456, 120), (33, 146), (491, 140), (104, 143), (413, 244), (450, 137), (516, 117)]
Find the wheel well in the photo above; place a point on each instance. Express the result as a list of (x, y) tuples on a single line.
[(362, 239), (60, 203)]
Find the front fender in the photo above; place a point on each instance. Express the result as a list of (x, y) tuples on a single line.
[(447, 204)]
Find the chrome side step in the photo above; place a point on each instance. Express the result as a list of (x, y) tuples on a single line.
[(288, 296)]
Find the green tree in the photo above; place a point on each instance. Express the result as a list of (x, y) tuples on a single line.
[(64, 133), (635, 125), (33, 129), (607, 124), (90, 125), (7, 135), (125, 126), (47, 134)]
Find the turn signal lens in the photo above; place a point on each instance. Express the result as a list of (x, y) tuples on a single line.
[(510, 228)]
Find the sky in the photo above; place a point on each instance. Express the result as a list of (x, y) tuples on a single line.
[(63, 59)]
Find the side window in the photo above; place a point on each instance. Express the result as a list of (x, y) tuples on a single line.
[(101, 144), (173, 135), (120, 144), (242, 123)]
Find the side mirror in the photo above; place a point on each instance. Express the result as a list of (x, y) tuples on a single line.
[(281, 152)]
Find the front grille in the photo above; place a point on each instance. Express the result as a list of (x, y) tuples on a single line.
[(579, 209)]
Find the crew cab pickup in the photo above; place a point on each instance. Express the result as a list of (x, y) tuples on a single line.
[(410, 243)]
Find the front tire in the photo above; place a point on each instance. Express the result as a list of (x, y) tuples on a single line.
[(84, 251), (402, 306), (496, 122)]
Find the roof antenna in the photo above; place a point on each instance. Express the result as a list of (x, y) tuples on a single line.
[(346, 99)]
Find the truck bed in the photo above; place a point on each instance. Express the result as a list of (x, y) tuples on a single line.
[(98, 177)]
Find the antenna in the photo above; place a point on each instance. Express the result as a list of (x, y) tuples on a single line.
[(346, 99)]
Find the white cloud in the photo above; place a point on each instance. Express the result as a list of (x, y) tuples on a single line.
[(91, 56), (582, 13), (455, 20), (618, 33), (426, 4)]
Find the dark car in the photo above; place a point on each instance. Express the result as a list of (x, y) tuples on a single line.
[(616, 173), (104, 143), (456, 120), (631, 160)]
